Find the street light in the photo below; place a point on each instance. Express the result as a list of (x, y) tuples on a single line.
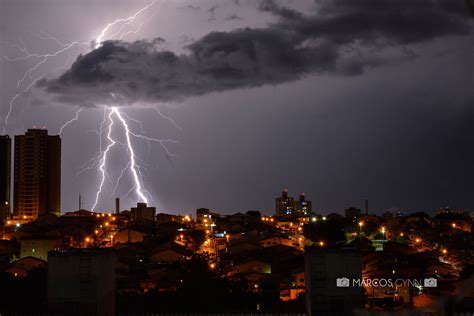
[(361, 223)]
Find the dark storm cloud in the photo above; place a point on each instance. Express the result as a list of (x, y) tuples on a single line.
[(339, 38)]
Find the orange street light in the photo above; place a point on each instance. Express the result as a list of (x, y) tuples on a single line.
[(321, 243)]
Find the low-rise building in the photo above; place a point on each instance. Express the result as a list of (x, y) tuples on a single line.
[(81, 280), (39, 247), (328, 271), (129, 235), (143, 213)]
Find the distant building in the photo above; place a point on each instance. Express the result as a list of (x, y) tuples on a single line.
[(284, 205), (37, 174), (22, 267), (143, 213), (205, 215), (444, 211), (5, 176), (352, 213), (387, 215), (323, 268), (302, 206), (38, 247), (128, 235), (163, 218), (251, 266), (169, 252), (81, 281)]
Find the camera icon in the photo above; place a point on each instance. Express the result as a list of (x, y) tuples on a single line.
[(430, 282), (342, 282)]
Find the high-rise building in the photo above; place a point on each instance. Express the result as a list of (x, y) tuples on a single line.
[(5, 176), (284, 205), (302, 206), (37, 174)]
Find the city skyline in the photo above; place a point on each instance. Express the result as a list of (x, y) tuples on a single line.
[(236, 157), (386, 116)]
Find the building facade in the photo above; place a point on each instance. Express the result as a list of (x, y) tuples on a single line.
[(37, 174), (302, 206), (329, 286), (284, 205), (143, 213), (5, 176), (353, 213), (81, 281), (39, 247)]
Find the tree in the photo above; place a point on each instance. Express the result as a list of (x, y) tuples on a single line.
[(329, 231), (197, 238)]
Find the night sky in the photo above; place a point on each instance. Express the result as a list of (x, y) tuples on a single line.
[(339, 99)]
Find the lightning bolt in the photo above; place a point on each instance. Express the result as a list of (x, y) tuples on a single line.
[(15, 97), (167, 118), (64, 47), (125, 21), (117, 29), (120, 178), (75, 118), (43, 59), (133, 166), (103, 161)]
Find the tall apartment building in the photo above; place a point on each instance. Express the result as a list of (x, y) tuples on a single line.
[(302, 206), (5, 176), (37, 174), (284, 205)]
